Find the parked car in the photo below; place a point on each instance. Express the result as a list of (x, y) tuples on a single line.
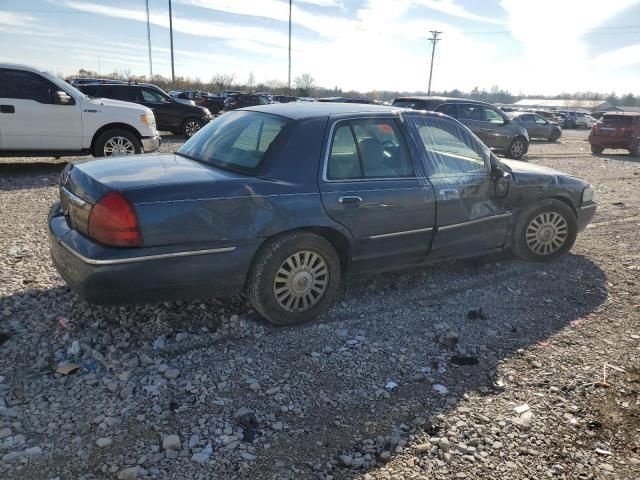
[(537, 126), (170, 114), (345, 100), (589, 121), (182, 97), (41, 114), (569, 119), (491, 125), (241, 100), (87, 81), (284, 99), (582, 121), (616, 130), (280, 201), (548, 116)]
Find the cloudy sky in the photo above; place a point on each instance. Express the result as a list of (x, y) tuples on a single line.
[(532, 46)]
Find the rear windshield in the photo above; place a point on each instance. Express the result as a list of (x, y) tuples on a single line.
[(415, 104), (236, 141), (620, 120)]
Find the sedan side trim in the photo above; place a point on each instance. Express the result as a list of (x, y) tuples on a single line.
[(120, 261), (472, 222), (398, 234)]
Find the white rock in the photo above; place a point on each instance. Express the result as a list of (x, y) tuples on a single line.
[(203, 455), (520, 409), (104, 442), (441, 389), (130, 473), (171, 442)]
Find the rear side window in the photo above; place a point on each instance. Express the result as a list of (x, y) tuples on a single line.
[(26, 86), (451, 149), (468, 111), (412, 104), (368, 149), (235, 141), (450, 109)]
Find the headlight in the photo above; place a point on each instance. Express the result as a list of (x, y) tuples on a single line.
[(207, 112), (148, 120), (588, 194)]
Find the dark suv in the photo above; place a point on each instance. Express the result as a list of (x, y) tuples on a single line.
[(240, 100), (170, 114), (616, 130), (489, 124)]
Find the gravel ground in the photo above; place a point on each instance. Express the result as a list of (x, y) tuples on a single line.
[(493, 368)]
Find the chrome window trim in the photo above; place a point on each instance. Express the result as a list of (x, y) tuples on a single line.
[(392, 116), (399, 234), (73, 198), (121, 261), (473, 222)]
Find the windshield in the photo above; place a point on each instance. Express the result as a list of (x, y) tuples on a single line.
[(236, 141), (66, 86)]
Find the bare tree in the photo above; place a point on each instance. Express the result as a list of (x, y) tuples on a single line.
[(304, 84), (251, 82)]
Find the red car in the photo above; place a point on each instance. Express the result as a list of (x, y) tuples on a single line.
[(616, 130)]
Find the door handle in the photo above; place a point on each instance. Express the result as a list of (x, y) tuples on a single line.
[(349, 199), (486, 129), (447, 193), (7, 109)]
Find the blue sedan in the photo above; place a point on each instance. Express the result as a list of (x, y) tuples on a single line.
[(280, 201)]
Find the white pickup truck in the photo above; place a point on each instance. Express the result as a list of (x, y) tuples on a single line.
[(42, 115)]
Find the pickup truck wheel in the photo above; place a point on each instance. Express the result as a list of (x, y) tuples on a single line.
[(517, 148), (117, 142), (544, 231), (191, 126), (294, 278), (596, 150)]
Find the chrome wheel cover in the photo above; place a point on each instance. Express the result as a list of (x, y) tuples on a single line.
[(517, 148), (547, 233), (191, 128), (119, 146), (301, 281)]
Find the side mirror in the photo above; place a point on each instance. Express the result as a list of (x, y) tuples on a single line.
[(500, 181), (63, 98)]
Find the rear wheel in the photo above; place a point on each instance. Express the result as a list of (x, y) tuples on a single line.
[(116, 143), (544, 231), (191, 126), (517, 148), (555, 135), (294, 278), (596, 150), (635, 149)]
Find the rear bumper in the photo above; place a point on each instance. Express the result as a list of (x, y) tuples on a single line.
[(120, 276), (606, 141), (150, 144), (585, 215)]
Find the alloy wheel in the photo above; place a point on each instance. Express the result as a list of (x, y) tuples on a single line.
[(301, 281), (119, 146), (547, 233), (517, 148), (191, 128)]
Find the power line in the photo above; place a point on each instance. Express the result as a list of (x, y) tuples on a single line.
[(434, 39)]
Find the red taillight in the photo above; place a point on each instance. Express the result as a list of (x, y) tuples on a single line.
[(113, 221)]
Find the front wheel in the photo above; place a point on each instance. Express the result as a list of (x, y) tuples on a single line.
[(191, 126), (544, 231), (294, 278), (596, 150), (517, 148), (634, 151), (117, 143), (554, 136)]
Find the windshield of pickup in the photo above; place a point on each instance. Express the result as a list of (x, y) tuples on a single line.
[(236, 141), (64, 85)]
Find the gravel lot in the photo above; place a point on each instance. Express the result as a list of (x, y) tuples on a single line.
[(484, 369)]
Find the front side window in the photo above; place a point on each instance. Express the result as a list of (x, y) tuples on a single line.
[(151, 96), (451, 148), (492, 116), (468, 111), (235, 141), (539, 119), (368, 149), (450, 109), (22, 85)]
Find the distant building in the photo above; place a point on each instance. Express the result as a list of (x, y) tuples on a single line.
[(620, 108), (564, 104)]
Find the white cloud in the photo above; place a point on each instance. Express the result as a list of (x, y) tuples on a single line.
[(451, 8), (12, 19)]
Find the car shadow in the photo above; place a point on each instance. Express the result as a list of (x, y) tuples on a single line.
[(623, 156), (325, 386)]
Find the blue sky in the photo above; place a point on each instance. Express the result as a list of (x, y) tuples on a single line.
[(541, 46)]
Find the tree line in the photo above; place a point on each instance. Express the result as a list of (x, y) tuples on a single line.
[(305, 85)]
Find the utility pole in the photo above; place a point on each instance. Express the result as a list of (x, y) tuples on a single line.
[(173, 72), (434, 39), (289, 83), (149, 44)]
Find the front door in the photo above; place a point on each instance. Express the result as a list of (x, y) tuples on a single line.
[(471, 219), (164, 108), (371, 185), (30, 117)]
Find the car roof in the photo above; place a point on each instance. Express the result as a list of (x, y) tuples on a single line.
[(17, 66), (300, 110), (441, 99), (626, 114)]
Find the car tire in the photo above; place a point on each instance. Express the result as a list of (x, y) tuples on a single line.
[(596, 150), (117, 142), (191, 126), (294, 278), (554, 136), (634, 151), (544, 231), (517, 148)]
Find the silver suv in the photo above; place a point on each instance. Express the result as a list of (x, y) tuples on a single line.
[(489, 124)]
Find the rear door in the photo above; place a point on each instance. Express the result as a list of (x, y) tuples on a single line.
[(470, 219), (371, 185), (539, 126), (31, 118)]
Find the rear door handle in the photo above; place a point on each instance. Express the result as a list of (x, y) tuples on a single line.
[(7, 109), (349, 199), (486, 129)]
